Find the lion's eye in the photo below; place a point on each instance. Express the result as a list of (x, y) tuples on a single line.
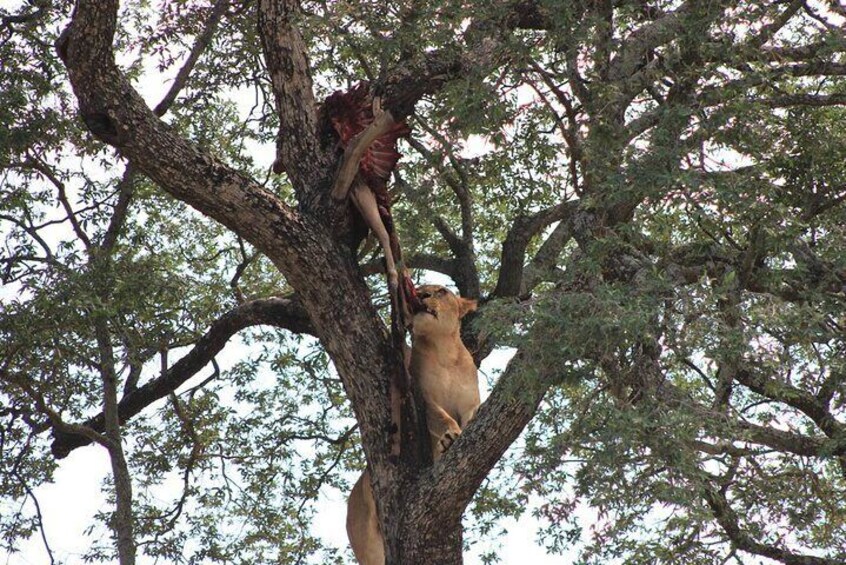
[(442, 291)]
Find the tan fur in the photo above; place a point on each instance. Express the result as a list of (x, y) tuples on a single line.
[(448, 380), (363, 524), (443, 367)]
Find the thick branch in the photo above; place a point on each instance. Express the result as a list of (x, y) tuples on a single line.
[(514, 248), (286, 55), (790, 442), (728, 520), (280, 312)]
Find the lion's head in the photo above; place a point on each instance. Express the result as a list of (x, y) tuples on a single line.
[(443, 311)]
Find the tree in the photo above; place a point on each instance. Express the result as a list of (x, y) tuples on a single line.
[(655, 225)]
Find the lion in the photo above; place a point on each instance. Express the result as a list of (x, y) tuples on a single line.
[(449, 383)]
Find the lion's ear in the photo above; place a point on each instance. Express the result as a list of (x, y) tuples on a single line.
[(465, 306)]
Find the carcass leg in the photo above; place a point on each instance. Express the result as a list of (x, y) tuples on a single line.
[(365, 201)]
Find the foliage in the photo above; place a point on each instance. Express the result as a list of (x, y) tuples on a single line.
[(687, 316)]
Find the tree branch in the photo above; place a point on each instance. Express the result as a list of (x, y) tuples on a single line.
[(284, 313), (780, 440), (521, 233), (545, 259), (455, 243), (808, 404), (88, 433), (424, 261), (790, 442), (126, 188), (728, 520), (425, 73), (812, 100), (769, 30), (200, 45), (463, 270), (7, 21), (42, 168), (458, 185), (115, 113), (569, 132), (782, 53), (286, 55), (127, 183)]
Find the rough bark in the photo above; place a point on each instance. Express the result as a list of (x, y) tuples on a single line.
[(297, 146), (438, 543)]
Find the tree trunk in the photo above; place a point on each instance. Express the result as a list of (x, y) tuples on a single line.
[(123, 522), (438, 543)]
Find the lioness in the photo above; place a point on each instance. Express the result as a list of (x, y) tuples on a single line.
[(449, 383)]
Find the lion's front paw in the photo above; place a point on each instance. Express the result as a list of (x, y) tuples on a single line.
[(448, 439)]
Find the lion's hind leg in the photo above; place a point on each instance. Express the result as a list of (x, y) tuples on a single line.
[(363, 524)]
